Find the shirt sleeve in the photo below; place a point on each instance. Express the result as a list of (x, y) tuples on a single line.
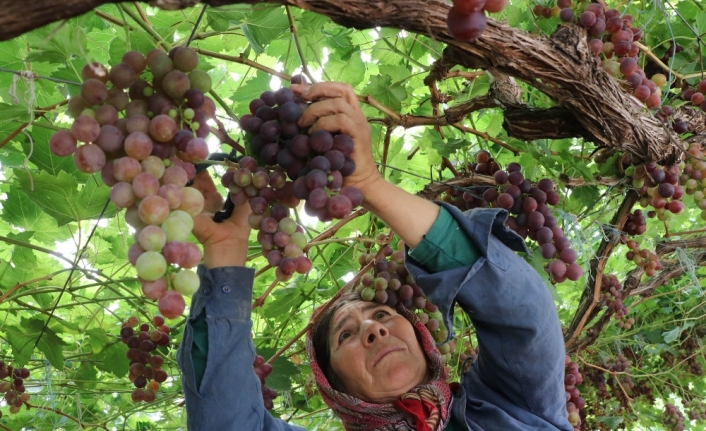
[(446, 246), (519, 334), (229, 396)]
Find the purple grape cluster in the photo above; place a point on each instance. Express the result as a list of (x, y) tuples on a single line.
[(612, 298), (574, 401), (14, 387), (673, 418), (316, 163), (145, 371), (531, 213), (284, 166), (262, 370)]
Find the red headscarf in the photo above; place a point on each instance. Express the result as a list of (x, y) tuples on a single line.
[(424, 408)]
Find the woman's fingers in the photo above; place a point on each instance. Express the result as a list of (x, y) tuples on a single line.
[(339, 123), (328, 90), (213, 201), (326, 108)]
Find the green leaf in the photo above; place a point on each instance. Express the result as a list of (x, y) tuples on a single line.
[(672, 335), (112, 359), (20, 211), (264, 25), (387, 93), (13, 113), (60, 197)]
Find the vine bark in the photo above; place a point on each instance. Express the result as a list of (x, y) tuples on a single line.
[(560, 66)]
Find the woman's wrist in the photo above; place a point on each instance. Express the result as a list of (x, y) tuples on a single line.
[(225, 254)]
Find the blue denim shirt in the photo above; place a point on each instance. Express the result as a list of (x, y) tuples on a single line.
[(517, 383)]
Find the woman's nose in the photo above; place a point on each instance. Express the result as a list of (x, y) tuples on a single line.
[(374, 331)]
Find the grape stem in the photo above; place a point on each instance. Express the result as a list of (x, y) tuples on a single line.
[(260, 301), (66, 415), (295, 35)]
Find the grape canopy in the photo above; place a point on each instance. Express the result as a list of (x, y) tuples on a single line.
[(586, 121)]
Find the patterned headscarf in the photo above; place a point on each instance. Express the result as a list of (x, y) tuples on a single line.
[(425, 408)]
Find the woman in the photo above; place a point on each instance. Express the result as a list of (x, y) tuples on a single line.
[(375, 366)]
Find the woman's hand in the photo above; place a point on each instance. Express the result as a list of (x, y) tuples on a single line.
[(336, 109), (226, 243)]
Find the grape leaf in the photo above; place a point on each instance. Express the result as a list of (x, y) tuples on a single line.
[(60, 197)]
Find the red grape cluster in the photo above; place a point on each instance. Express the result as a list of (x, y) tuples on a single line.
[(531, 217), (612, 297), (696, 95), (613, 35), (392, 284), (574, 401), (270, 196), (466, 20), (14, 387), (696, 410), (658, 187), (693, 178), (262, 370), (143, 124), (642, 257), (636, 223), (146, 371), (673, 418)]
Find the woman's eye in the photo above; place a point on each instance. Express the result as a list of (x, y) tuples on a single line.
[(343, 336), (381, 313)]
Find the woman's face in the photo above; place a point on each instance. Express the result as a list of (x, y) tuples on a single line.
[(375, 352)]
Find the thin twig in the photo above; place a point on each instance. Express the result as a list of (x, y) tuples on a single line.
[(302, 58)]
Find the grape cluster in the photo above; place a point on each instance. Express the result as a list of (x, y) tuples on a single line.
[(466, 20), (696, 95), (696, 410), (642, 257), (636, 223), (392, 284), (14, 387), (689, 352), (598, 380), (263, 370), (658, 187), (612, 297), (315, 164), (574, 401), (622, 366), (531, 217), (468, 352), (612, 35), (673, 418), (270, 197), (693, 177), (143, 125), (146, 371)]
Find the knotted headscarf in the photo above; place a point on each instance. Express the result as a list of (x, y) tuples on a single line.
[(425, 408)]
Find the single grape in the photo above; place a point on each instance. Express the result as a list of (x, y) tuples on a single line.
[(62, 143), (466, 27), (85, 129), (171, 305), (186, 282), (89, 158)]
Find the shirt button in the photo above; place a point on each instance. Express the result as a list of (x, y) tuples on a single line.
[(226, 289)]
